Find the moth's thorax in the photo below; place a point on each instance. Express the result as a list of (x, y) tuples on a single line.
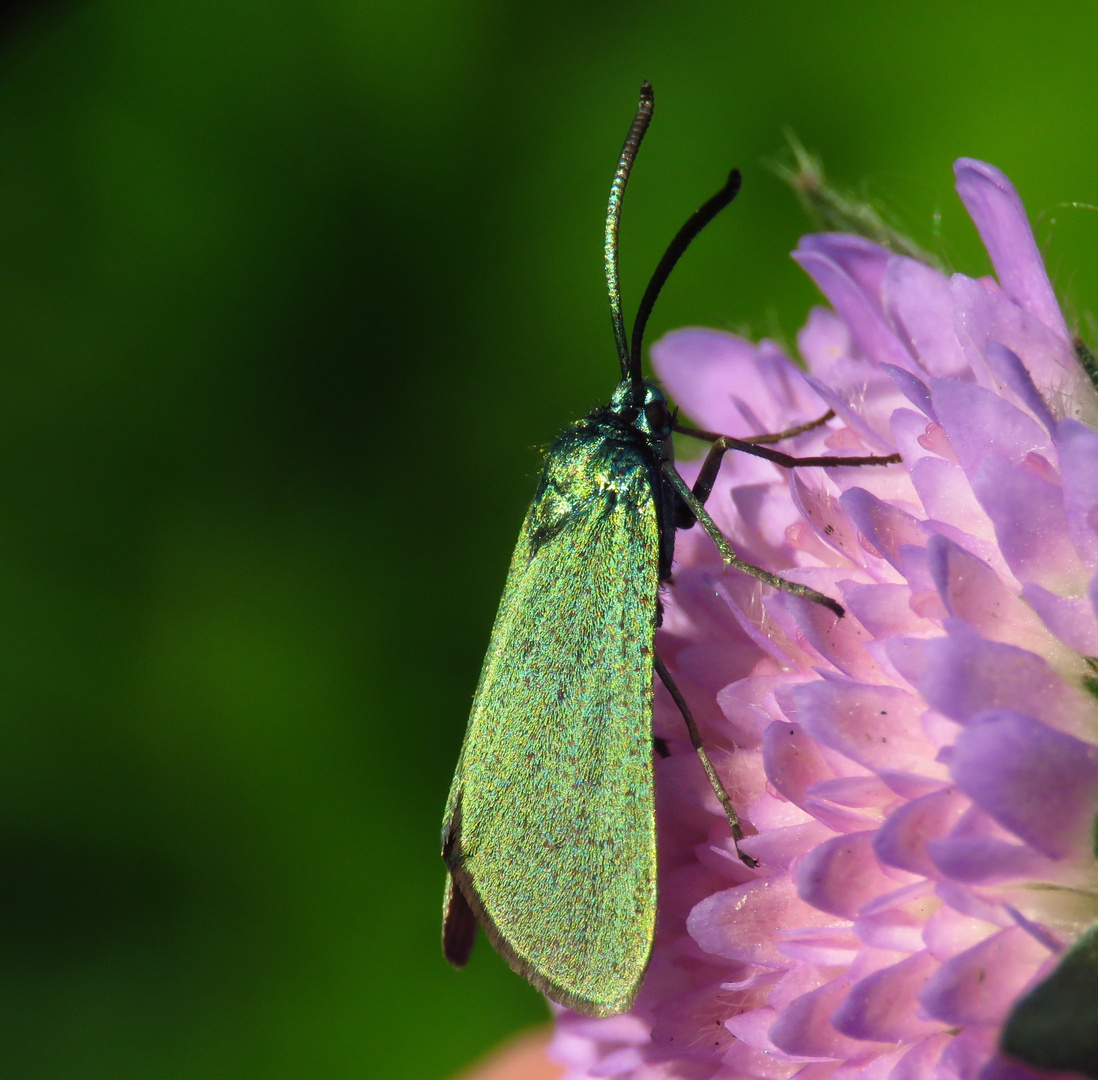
[(597, 456), (606, 463), (615, 446)]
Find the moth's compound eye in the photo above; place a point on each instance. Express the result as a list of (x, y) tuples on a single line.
[(657, 418)]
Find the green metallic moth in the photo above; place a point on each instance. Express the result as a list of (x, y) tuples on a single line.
[(549, 835)]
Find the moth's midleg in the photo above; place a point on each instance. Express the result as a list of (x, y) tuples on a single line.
[(694, 499), (730, 557), (710, 771)]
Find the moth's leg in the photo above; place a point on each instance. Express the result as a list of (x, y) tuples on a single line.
[(459, 923), (710, 467), (721, 444), (792, 432), (714, 779), (695, 507)]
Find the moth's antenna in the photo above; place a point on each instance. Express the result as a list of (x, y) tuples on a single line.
[(694, 225), (632, 143)]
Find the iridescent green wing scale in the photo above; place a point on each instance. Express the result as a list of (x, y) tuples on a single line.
[(549, 831)]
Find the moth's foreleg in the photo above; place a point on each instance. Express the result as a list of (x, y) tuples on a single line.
[(755, 446), (721, 444), (756, 440)]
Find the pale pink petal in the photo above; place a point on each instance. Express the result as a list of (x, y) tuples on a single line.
[(920, 304), (1071, 618), (1038, 783), (746, 911), (978, 985), (972, 591), (901, 841), (980, 423), (876, 726), (1028, 514), (884, 528), (1000, 217), (824, 341), (966, 674), (982, 316), (719, 379), (842, 874), (804, 1026), (883, 1006), (1007, 367), (860, 309), (912, 387), (1078, 450)]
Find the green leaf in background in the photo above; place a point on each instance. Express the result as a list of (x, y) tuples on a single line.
[(1055, 1026)]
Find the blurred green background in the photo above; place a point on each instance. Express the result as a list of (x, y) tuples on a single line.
[(289, 293)]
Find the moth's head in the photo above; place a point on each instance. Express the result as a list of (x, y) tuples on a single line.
[(643, 407)]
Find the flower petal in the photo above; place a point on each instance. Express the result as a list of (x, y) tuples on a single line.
[(730, 385), (979, 423), (885, 528), (846, 274), (1000, 218), (804, 1027), (735, 923), (978, 985), (973, 592), (965, 674), (901, 841), (982, 315), (1038, 783), (1078, 450), (1071, 618), (876, 726), (920, 305), (842, 874), (1006, 364), (882, 1006), (1028, 514)]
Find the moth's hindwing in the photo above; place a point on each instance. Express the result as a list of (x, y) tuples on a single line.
[(550, 829)]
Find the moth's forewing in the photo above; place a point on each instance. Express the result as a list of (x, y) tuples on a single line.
[(550, 827)]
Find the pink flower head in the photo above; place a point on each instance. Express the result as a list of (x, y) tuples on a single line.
[(918, 778)]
